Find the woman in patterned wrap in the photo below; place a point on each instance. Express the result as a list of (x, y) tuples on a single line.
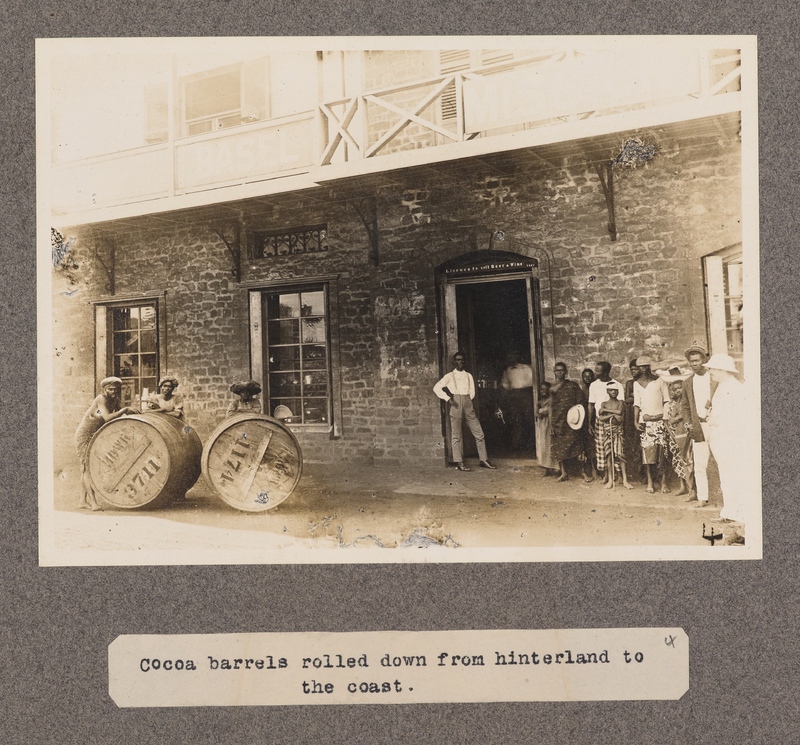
[(567, 443)]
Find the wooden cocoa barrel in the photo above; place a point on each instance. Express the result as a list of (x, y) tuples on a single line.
[(253, 462), (144, 460)]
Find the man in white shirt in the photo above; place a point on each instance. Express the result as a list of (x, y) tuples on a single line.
[(458, 389), (517, 385)]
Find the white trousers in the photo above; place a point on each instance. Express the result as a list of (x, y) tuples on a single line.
[(700, 452)]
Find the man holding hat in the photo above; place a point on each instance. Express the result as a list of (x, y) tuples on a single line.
[(695, 406)]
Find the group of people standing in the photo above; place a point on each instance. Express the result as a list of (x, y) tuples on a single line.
[(657, 423)]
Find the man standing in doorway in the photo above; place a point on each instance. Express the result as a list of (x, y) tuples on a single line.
[(458, 389), (517, 385), (695, 406)]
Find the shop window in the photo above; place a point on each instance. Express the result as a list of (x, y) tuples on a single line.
[(297, 358), (724, 301), (128, 346)]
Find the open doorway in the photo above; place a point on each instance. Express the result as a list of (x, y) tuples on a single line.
[(489, 313)]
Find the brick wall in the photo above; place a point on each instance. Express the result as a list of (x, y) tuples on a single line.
[(611, 300)]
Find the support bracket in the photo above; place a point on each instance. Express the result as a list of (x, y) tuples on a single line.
[(231, 235), (109, 267), (367, 210), (607, 182)]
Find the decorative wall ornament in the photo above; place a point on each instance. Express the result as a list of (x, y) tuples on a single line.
[(307, 239)]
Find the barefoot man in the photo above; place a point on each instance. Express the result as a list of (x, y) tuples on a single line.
[(649, 397)]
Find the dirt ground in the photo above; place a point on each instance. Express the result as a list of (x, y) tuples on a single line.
[(347, 506)]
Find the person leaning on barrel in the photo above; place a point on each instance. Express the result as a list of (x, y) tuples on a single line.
[(166, 401), (105, 408), (247, 403)]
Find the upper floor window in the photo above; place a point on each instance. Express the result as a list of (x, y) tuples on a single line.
[(240, 93), (225, 97)]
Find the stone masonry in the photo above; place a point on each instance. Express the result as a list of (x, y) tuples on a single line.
[(611, 300)]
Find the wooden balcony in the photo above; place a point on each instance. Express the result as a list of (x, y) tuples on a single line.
[(529, 102)]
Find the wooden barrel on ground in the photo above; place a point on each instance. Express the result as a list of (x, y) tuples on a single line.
[(144, 460), (253, 462)]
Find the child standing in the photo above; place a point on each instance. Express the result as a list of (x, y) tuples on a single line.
[(677, 436), (544, 436), (610, 418)]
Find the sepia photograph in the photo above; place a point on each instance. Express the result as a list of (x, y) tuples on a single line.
[(398, 299)]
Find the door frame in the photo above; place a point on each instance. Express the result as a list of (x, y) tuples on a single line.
[(480, 268)]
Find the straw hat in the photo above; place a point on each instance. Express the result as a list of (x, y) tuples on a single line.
[(696, 349), (722, 362), (575, 416), (672, 374), (251, 386)]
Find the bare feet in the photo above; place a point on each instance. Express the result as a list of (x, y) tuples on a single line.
[(563, 477), (650, 490), (588, 479), (683, 490), (627, 485), (610, 485), (665, 490)]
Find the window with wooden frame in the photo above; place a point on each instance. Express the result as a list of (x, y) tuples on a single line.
[(724, 301), (225, 97), (297, 354), (128, 343)]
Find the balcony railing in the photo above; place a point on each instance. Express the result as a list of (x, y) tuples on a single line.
[(546, 91)]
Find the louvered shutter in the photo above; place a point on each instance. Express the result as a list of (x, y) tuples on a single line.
[(452, 60)]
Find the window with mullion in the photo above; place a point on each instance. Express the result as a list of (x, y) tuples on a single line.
[(134, 350), (298, 367)]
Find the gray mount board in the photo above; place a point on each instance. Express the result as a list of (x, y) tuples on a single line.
[(740, 616)]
